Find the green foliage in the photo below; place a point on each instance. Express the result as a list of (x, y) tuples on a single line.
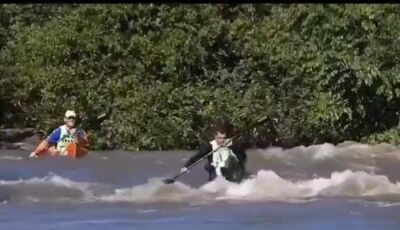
[(167, 71), (390, 136)]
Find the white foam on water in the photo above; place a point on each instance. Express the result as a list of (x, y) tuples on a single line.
[(267, 185), (11, 158), (49, 188), (347, 155), (387, 204), (359, 180), (147, 211), (156, 191)]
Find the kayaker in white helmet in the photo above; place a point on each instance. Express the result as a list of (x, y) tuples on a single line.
[(56, 143)]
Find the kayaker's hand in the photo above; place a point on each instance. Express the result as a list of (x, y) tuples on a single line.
[(228, 142), (64, 152), (33, 155), (72, 131), (80, 134), (184, 169)]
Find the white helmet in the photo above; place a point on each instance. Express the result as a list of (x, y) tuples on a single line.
[(70, 113)]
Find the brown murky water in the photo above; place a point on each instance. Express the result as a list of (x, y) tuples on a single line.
[(348, 186)]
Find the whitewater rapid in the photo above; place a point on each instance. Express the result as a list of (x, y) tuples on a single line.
[(266, 185), (349, 171)]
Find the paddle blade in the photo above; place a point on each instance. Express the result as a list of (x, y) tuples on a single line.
[(169, 181)]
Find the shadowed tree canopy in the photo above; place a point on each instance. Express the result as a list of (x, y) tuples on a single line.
[(165, 73)]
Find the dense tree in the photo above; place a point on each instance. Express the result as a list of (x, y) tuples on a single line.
[(165, 72)]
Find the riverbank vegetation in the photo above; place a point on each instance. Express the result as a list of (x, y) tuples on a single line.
[(165, 72)]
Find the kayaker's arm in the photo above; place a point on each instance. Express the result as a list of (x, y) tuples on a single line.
[(54, 137), (203, 150), (40, 148), (50, 140), (239, 149), (241, 154), (82, 137)]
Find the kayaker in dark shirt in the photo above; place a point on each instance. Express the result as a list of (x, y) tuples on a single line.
[(228, 160)]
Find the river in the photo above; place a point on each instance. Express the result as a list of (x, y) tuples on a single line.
[(345, 186)]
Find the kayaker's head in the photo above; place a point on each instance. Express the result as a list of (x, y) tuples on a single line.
[(220, 135), (220, 138), (222, 131), (70, 118)]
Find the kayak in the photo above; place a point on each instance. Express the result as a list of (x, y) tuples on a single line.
[(74, 150)]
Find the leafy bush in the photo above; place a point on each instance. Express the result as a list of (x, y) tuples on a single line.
[(165, 72)]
